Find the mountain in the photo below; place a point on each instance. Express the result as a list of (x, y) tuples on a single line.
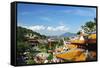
[(21, 32), (68, 34)]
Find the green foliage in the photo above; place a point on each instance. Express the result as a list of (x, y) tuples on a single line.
[(66, 38), (78, 32), (89, 27), (60, 43), (30, 61), (24, 46), (21, 32), (50, 57)]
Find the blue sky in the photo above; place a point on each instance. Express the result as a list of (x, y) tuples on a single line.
[(53, 20)]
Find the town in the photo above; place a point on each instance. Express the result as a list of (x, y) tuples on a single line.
[(81, 47)]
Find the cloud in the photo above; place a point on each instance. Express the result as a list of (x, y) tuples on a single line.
[(58, 28), (47, 30), (22, 25), (37, 27)]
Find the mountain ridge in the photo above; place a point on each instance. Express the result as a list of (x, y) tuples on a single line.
[(68, 34)]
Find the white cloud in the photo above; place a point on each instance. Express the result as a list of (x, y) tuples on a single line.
[(21, 24), (36, 27), (58, 28), (47, 30)]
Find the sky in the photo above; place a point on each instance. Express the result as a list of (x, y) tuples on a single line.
[(53, 20)]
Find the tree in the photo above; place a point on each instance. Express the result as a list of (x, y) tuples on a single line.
[(78, 33), (90, 26)]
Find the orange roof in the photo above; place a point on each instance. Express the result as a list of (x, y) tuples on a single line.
[(78, 41), (74, 55)]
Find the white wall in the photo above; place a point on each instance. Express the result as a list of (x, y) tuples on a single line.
[(5, 34)]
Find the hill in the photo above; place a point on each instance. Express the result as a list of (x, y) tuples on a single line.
[(21, 32)]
